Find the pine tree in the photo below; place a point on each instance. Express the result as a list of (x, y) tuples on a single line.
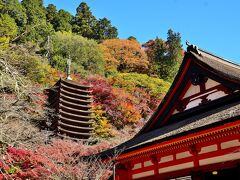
[(63, 21), (84, 22), (174, 53), (51, 13), (104, 30), (165, 56), (174, 45), (37, 28)]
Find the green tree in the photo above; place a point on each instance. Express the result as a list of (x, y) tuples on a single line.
[(174, 54), (8, 29), (132, 38), (37, 28), (14, 9), (85, 54), (104, 30), (165, 56), (84, 22), (1, 5), (63, 21), (174, 45), (160, 64), (51, 13), (35, 11)]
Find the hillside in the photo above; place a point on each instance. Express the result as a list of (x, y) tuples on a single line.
[(128, 82)]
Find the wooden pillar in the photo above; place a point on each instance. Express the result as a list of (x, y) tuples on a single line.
[(128, 167), (155, 160), (122, 172), (194, 150)]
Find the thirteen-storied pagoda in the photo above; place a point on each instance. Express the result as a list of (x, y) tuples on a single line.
[(71, 103)]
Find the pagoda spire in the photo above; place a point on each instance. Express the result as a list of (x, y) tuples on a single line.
[(69, 68)]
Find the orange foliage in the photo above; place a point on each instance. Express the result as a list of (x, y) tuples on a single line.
[(126, 106), (125, 55), (112, 63)]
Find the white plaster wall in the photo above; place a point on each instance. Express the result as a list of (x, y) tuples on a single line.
[(191, 91), (211, 83)]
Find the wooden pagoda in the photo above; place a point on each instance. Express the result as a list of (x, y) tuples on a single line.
[(195, 132), (71, 103)]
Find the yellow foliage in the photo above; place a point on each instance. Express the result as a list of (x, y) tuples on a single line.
[(4, 42), (102, 127)]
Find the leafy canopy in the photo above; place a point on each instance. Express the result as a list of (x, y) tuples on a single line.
[(8, 29), (129, 81), (61, 20), (14, 9), (165, 56), (125, 55), (85, 54), (87, 25), (37, 28), (84, 21)]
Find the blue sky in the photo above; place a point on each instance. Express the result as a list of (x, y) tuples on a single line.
[(213, 25)]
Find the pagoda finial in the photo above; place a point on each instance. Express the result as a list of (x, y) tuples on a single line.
[(68, 68)]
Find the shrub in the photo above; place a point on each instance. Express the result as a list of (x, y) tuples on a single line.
[(31, 66), (155, 86), (118, 104), (102, 127), (59, 160), (130, 114), (147, 91)]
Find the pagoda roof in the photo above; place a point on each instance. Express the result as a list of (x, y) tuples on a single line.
[(75, 84)]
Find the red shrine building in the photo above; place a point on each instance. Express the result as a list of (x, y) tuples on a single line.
[(194, 133)]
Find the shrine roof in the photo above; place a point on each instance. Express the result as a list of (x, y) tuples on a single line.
[(206, 120), (222, 69), (217, 64)]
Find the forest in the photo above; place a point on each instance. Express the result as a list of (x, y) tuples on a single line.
[(128, 79)]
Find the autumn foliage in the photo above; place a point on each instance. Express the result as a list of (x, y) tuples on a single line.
[(125, 99), (117, 103), (58, 160), (125, 55)]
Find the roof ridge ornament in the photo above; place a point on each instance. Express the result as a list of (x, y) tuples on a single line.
[(192, 47)]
